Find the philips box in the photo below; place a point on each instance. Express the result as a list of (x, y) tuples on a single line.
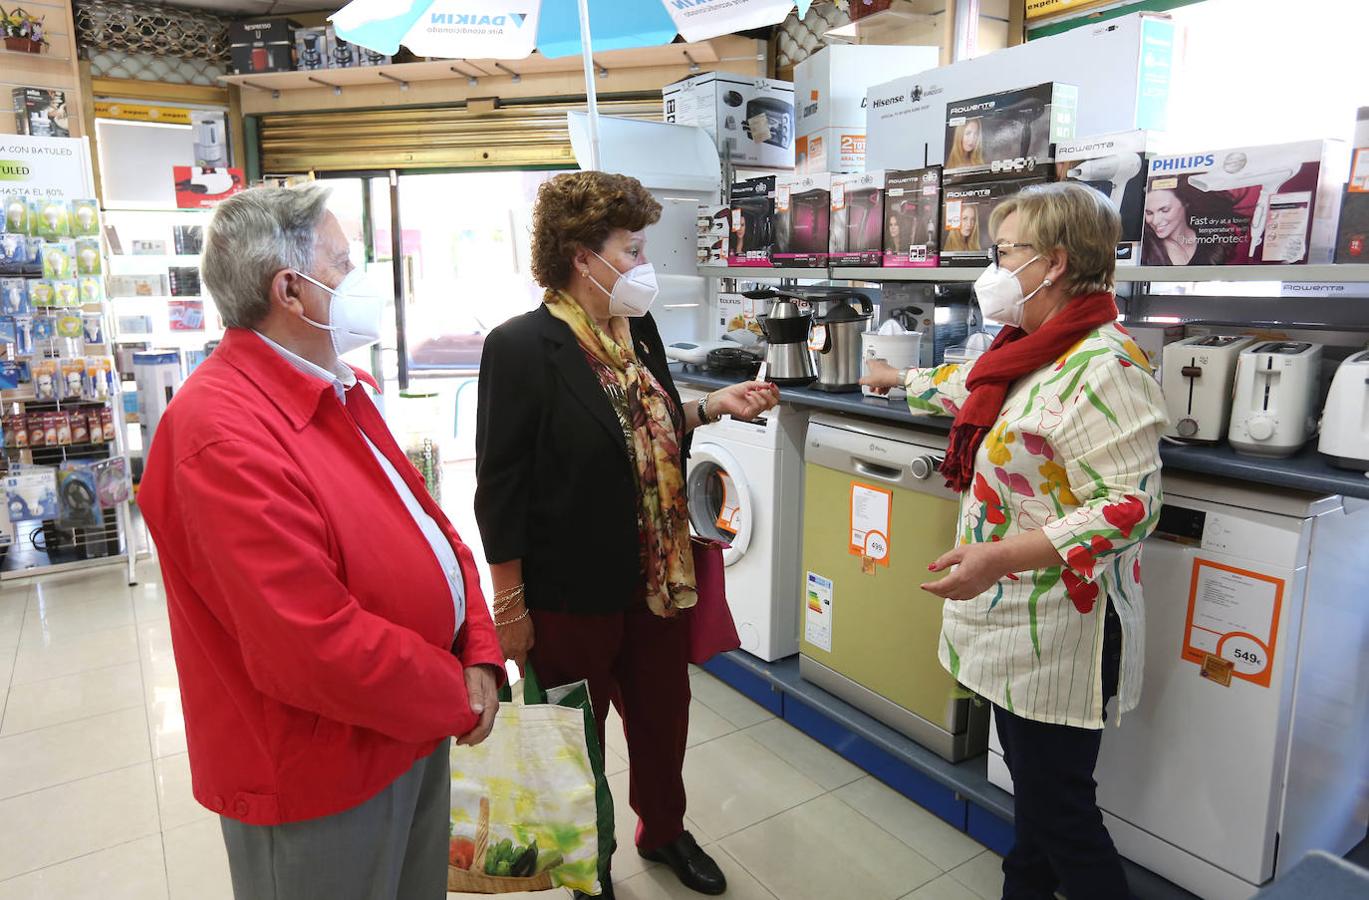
[(1278, 203), (829, 99), (857, 221), (966, 209), (1121, 68), (755, 114), (753, 222), (265, 46), (1009, 134), (803, 209), (1116, 165), (912, 218)]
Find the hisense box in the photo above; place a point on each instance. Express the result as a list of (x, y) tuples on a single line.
[(753, 221), (803, 209), (1276, 204), (966, 210), (1008, 134), (1116, 165), (912, 218), (1122, 68), (856, 226)]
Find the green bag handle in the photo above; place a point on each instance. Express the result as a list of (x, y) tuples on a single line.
[(532, 689)]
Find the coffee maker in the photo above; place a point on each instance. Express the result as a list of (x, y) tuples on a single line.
[(787, 360), (840, 328)]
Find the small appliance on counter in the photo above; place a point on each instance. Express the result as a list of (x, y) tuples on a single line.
[(895, 345), (837, 342), (1274, 411), (1345, 420), (1196, 379), (787, 330), (695, 353)]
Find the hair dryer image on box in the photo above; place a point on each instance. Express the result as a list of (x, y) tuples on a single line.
[(1242, 170), (1116, 171)]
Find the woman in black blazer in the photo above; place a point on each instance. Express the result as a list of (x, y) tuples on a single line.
[(580, 491)]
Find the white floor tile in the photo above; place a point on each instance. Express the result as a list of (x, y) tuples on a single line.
[(74, 819), (805, 754), (614, 738), (659, 883), (149, 602), (944, 888), (71, 697), (983, 875), (79, 587), (49, 622), (727, 702), (826, 849), (178, 805), (61, 753), (734, 783), (197, 863), (929, 835), (165, 720), (78, 653), (613, 763), (705, 725), (626, 862), (132, 871)]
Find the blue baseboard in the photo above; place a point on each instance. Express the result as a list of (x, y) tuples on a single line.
[(990, 830), (754, 687)]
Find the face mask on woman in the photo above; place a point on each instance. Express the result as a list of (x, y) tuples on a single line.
[(1000, 294), (633, 292), (353, 313)]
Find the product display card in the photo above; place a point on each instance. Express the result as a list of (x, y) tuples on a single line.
[(31, 494), (1233, 614), (817, 612), (871, 511), (78, 502)]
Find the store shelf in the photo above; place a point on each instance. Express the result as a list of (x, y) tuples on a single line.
[(1329, 273), (754, 273), (931, 273)]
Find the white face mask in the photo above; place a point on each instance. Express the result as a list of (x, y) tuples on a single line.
[(353, 314), (633, 292), (1000, 294)]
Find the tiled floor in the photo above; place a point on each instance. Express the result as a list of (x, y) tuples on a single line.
[(95, 798)]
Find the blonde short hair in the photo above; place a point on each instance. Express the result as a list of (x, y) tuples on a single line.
[(1074, 218)]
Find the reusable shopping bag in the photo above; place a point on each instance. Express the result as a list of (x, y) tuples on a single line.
[(531, 809), (711, 628)]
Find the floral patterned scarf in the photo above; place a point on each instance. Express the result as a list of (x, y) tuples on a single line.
[(654, 446)]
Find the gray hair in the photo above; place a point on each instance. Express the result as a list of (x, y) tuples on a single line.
[(252, 236)]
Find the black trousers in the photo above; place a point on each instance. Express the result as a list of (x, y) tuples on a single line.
[(1061, 842)]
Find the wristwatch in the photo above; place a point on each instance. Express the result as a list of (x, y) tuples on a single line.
[(703, 410)]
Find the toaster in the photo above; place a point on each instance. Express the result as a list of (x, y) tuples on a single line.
[(1274, 410), (1345, 421), (1197, 377)]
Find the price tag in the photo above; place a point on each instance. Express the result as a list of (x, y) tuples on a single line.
[(871, 511), (782, 197), (1233, 617), (817, 338), (838, 196), (1217, 669), (953, 214)]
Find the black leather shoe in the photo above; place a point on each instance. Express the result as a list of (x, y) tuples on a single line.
[(695, 868)]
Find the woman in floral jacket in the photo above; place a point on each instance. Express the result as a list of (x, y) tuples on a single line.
[(1055, 449)]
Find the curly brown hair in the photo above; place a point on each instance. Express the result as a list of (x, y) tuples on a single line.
[(581, 209)]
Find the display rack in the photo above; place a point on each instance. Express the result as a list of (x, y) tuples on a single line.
[(1328, 273)]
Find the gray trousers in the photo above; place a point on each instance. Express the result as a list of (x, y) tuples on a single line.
[(392, 847)]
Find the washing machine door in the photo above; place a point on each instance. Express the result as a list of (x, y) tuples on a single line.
[(721, 507)]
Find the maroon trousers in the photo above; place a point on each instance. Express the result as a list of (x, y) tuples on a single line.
[(639, 662)]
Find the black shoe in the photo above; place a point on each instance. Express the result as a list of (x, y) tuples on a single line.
[(695, 868)]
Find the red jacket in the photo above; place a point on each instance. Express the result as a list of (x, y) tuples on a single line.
[(312, 624)]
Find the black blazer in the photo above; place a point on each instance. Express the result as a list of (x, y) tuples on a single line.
[(555, 486)]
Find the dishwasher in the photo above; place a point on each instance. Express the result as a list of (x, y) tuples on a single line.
[(877, 515)]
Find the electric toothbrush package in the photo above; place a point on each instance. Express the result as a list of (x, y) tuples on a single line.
[(856, 225), (912, 217), (753, 222), (1010, 134), (803, 207), (1279, 203), (1116, 165)]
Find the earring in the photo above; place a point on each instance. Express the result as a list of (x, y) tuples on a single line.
[(1048, 282)]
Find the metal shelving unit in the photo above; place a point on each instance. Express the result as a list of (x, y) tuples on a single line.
[(1330, 273)]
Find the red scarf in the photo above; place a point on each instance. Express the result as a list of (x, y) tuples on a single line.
[(1013, 354)]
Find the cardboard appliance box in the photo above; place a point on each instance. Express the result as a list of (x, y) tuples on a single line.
[(262, 46), (752, 233), (341, 54), (1352, 246), (1122, 68), (714, 227), (1009, 134), (912, 218), (1279, 203), (755, 114), (965, 212), (311, 48), (803, 208), (40, 112), (1116, 165), (856, 226)]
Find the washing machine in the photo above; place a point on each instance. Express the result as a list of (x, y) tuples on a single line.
[(1250, 746), (745, 488)]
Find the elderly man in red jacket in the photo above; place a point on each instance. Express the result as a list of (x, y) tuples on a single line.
[(328, 624)]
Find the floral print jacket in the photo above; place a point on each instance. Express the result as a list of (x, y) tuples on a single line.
[(1075, 453)]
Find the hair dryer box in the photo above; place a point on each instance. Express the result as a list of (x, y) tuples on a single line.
[(803, 207), (966, 209), (1116, 165), (857, 222), (713, 225), (753, 222), (912, 218), (755, 114), (1279, 203), (1352, 246), (1122, 67), (1009, 134)]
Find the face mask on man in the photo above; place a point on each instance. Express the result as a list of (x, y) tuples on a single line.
[(353, 313), (633, 292), (1000, 294)]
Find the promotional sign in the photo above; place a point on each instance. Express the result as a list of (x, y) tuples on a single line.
[(132, 112), (43, 168), (1233, 615), (201, 188), (457, 29), (1042, 9)]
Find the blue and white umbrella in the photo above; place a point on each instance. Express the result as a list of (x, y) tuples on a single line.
[(513, 29)]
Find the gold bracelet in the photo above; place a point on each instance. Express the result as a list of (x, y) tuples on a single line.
[(518, 618), (500, 609), (507, 599)]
